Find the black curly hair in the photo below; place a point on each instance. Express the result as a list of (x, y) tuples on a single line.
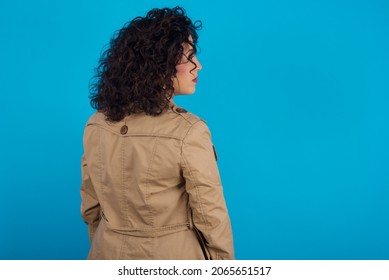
[(135, 74)]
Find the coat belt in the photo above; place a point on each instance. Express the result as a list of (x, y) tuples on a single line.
[(149, 232)]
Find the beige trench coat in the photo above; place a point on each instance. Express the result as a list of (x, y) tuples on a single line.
[(147, 182)]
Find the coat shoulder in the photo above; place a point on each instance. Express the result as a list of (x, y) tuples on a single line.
[(175, 123), (96, 118), (186, 115), (99, 120)]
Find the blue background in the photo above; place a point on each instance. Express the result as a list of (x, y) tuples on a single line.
[(294, 92)]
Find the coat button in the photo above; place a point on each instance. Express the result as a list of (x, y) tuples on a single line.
[(123, 129), (181, 110)]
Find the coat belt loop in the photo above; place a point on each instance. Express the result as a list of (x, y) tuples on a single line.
[(190, 219)]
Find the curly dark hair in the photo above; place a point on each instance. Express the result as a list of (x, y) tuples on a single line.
[(135, 74)]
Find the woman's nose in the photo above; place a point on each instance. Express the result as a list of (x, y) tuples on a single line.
[(198, 64)]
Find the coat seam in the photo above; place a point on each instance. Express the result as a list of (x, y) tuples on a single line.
[(122, 204), (195, 183), (148, 181), (138, 134), (187, 132), (195, 186)]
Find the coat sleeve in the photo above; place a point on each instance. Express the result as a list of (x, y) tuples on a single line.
[(206, 199), (90, 207)]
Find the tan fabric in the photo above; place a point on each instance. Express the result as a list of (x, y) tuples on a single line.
[(146, 181)]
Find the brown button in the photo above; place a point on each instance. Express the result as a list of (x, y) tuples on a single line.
[(124, 129), (181, 110)]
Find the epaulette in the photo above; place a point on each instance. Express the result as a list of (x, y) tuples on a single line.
[(188, 116)]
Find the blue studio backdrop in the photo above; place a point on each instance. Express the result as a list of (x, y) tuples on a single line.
[(296, 94)]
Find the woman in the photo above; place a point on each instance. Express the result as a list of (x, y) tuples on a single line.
[(150, 183)]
